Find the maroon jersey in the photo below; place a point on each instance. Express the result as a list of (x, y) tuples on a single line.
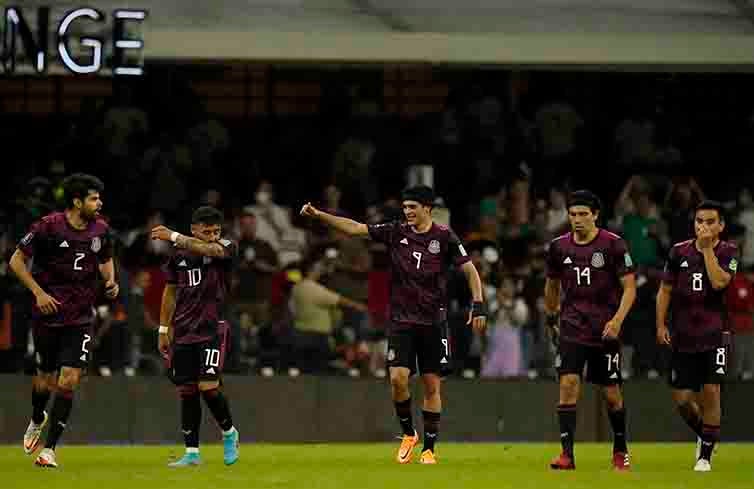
[(202, 283), (419, 264), (697, 311), (65, 264), (590, 283)]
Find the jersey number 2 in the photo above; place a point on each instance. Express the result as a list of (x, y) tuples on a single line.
[(79, 257)]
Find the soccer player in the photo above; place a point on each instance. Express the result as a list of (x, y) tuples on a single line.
[(589, 290), (421, 252), (71, 251), (697, 273), (192, 334)]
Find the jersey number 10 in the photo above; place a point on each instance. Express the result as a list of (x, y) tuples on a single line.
[(194, 277)]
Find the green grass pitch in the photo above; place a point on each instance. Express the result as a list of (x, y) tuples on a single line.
[(366, 466)]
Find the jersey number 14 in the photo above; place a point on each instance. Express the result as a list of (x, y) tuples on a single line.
[(583, 276)]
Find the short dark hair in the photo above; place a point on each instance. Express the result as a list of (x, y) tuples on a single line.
[(78, 186), (586, 198), (422, 194), (711, 205), (207, 215)]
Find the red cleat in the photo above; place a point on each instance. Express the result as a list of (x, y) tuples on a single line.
[(621, 461), (563, 462)]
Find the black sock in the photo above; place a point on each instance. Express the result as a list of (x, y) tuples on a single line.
[(191, 415), (38, 403), (61, 409), (691, 417), (431, 429), (218, 404), (618, 423), (567, 419), (403, 411), (710, 436)]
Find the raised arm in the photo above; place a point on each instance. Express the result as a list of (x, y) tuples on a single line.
[(194, 245), (342, 224)]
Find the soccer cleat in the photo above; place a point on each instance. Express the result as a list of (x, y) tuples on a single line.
[(702, 465), (406, 449), (188, 460), (46, 458), (563, 462), (621, 461), (33, 434), (428, 457), (230, 447)]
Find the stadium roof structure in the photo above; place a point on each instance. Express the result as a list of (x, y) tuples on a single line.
[(626, 34)]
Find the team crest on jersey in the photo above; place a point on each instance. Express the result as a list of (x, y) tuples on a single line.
[(434, 247), (96, 244), (207, 260), (598, 260)]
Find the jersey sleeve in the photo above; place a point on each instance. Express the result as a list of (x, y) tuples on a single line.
[(171, 272), (670, 272), (106, 250), (456, 252), (382, 233), (553, 263), (728, 259), (624, 264), (34, 239)]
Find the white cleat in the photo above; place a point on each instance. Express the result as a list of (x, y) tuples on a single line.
[(46, 458), (702, 466), (33, 434)]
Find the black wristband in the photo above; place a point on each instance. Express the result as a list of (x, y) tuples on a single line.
[(478, 309)]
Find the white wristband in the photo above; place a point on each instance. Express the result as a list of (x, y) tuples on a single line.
[(174, 236), (163, 330)]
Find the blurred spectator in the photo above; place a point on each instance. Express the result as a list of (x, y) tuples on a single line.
[(273, 225), (508, 313), (314, 310), (257, 263), (680, 201), (740, 300), (746, 219)]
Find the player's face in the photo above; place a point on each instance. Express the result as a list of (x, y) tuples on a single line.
[(710, 219), (91, 206), (209, 233), (582, 218), (415, 213)]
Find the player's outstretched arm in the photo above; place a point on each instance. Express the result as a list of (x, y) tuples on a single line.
[(167, 309), (477, 315), (45, 302), (613, 327), (552, 307), (342, 224), (661, 310), (194, 245), (107, 271)]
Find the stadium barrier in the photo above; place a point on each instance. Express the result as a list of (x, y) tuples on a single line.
[(145, 410)]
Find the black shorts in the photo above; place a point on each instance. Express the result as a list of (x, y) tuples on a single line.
[(61, 346), (420, 348), (690, 371), (199, 362), (603, 363)]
